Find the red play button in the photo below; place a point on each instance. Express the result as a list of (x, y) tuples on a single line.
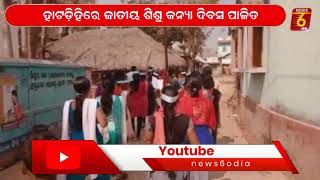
[(63, 157), (70, 157)]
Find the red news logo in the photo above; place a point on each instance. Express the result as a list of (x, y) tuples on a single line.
[(63, 157), (301, 18)]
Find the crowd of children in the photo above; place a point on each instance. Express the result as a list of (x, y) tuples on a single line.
[(132, 106)]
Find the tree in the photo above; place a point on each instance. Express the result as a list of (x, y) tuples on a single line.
[(191, 39), (33, 40)]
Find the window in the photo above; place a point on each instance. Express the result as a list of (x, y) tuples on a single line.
[(257, 46), (224, 49)]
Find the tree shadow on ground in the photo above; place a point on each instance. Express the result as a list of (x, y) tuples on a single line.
[(225, 140)]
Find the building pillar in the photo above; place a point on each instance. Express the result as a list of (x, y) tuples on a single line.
[(234, 60), (240, 48), (250, 48)]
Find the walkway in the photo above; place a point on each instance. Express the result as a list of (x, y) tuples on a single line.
[(230, 133)]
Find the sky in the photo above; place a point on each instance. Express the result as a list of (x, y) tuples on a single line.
[(216, 33)]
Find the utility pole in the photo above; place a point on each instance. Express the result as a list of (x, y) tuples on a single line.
[(166, 47), (43, 39)]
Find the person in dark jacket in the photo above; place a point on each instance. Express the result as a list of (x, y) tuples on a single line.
[(214, 95)]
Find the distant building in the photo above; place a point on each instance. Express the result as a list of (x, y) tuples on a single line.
[(224, 47), (224, 54), (208, 52), (279, 84), (213, 60)]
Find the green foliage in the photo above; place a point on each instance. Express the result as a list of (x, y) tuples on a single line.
[(174, 34), (191, 39)]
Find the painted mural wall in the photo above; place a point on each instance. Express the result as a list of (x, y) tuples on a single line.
[(36, 89)]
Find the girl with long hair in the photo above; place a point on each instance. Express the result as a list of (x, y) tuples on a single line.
[(201, 111), (112, 105), (171, 127), (113, 102), (199, 108), (214, 96), (128, 131), (138, 102), (152, 107), (82, 86)]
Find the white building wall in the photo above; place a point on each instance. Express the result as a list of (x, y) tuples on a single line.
[(224, 50), (292, 62)]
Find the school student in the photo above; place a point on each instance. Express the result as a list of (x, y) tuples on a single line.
[(112, 105), (138, 102), (171, 127), (199, 108), (214, 96), (73, 122)]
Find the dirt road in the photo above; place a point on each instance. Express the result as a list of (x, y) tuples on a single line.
[(230, 133)]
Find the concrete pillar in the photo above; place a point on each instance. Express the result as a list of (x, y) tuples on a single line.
[(234, 60), (250, 48), (240, 48)]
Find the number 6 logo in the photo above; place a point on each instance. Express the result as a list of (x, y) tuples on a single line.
[(301, 19)]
